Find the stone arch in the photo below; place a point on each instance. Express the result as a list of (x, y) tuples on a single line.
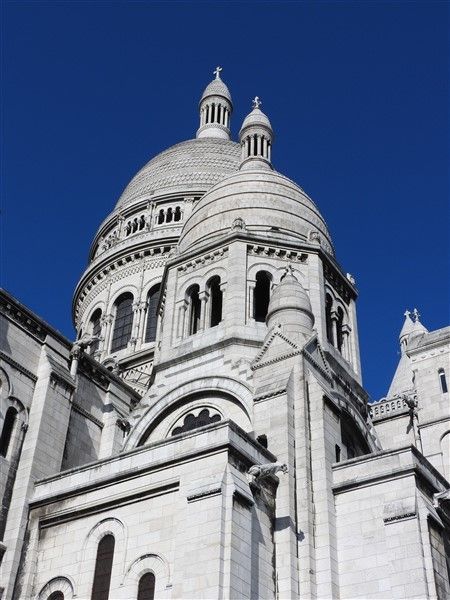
[(107, 526), (5, 384), (182, 411), (261, 266), (225, 385), (58, 584), (148, 563), (157, 279), (128, 288), (99, 304)]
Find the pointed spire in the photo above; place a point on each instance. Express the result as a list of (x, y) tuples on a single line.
[(256, 138), (418, 328), (215, 109)]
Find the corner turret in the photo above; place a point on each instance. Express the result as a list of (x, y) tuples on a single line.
[(256, 138)]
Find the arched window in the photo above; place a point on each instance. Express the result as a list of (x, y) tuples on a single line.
[(177, 215), (328, 321), (123, 323), (161, 216), (169, 215), (146, 589), (56, 596), (443, 381), (103, 568), (8, 427), (96, 328), (152, 316), (142, 222), (340, 323), (215, 301), (261, 296), (194, 308)]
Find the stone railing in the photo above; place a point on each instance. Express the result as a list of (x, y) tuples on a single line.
[(388, 408)]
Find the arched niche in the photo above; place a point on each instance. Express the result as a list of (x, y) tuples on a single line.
[(231, 398)]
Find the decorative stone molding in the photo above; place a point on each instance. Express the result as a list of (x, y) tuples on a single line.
[(273, 252), (82, 411), (23, 319), (57, 584), (399, 510), (337, 282), (201, 261), (13, 363), (388, 408)]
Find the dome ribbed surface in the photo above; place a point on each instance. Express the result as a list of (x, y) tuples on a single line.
[(195, 164), (270, 204), (289, 294), (216, 88), (255, 118)]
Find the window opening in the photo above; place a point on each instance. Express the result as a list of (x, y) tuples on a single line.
[(8, 427), (146, 589), (328, 321), (194, 310), (152, 316), (177, 215), (261, 296), (340, 323), (443, 381), (123, 323), (169, 215), (161, 216), (56, 596), (192, 422), (216, 300), (103, 568), (96, 328)]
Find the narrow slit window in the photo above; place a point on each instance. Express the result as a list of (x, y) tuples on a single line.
[(103, 568), (8, 428), (152, 315), (215, 299), (96, 327), (261, 296), (443, 381), (194, 309), (328, 321)]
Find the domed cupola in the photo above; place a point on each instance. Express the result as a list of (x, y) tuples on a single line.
[(290, 307), (256, 137), (215, 110)]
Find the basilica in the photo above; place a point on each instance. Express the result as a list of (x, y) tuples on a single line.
[(208, 435)]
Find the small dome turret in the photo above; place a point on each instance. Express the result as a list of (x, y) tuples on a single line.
[(256, 137), (215, 109), (290, 307)]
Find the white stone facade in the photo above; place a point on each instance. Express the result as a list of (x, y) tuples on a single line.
[(216, 332)]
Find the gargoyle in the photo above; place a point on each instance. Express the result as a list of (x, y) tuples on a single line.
[(262, 471)]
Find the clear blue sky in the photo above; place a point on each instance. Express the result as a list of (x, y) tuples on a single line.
[(357, 93)]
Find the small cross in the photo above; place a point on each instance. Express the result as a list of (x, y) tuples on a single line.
[(416, 314), (217, 72), (256, 102)]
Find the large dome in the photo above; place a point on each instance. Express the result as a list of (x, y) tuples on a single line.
[(269, 203), (192, 165)]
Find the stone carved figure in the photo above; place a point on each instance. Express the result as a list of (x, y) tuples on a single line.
[(262, 471), (238, 224)]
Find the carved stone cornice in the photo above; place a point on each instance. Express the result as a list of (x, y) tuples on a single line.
[(276, 252), (13, 363)]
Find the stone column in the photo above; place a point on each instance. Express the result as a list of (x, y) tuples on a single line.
[(203, 306), (107, 321), (334, 322)]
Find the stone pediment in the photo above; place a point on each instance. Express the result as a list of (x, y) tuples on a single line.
[(277, 347), (314, 353)]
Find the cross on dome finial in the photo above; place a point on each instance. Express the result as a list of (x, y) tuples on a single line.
[(217, 72), (256, 102), (416, 314)]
